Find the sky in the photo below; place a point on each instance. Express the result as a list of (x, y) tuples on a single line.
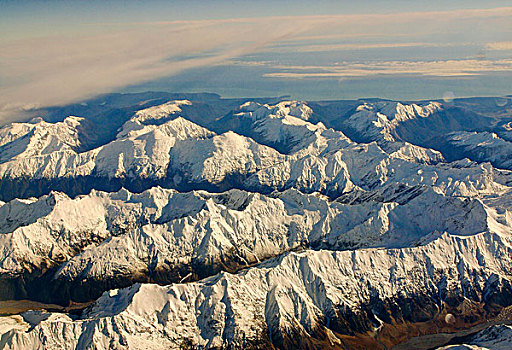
[(60, 52)]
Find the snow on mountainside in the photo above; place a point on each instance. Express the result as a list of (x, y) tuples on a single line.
[(24, 140), (379, 121), (145, 154), (481, 146), (390, 121), (505, 131), (264, 227), (292, 301), (284, 126), (423, 126), (165, 235), (183, 155), (153, 115)]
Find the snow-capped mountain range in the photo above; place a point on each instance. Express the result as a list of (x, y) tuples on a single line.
[(267, 224)]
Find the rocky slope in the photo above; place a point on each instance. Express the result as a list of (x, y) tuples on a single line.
[(497, 337), (307, 299)]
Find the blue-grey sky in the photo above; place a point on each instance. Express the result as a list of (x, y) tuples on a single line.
[(57, 52)]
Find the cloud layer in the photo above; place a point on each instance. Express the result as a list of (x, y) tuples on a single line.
[(442, 68), (67, 68), (58, 70)]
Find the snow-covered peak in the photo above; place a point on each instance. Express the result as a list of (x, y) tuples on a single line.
[(177, 128), (391, 110), (146, 150), (160, 111), (385, 116), (286, 126), (36, 120), (20, 212), (73, 121), (402, 112), (183, 129), (480, 146), (152, 116), (297, 109), (38, 137), (250, 106)]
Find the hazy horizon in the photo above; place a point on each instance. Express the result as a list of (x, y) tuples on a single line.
[(61, 52)]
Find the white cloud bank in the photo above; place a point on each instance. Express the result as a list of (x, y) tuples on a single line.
[(52, 71)]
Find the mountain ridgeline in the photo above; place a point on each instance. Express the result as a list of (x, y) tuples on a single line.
[(193, 221)]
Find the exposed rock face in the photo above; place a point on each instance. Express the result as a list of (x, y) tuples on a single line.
[(260, 228), (497, 337)]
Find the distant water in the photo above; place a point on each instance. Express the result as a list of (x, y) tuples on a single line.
[(234, 81)]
